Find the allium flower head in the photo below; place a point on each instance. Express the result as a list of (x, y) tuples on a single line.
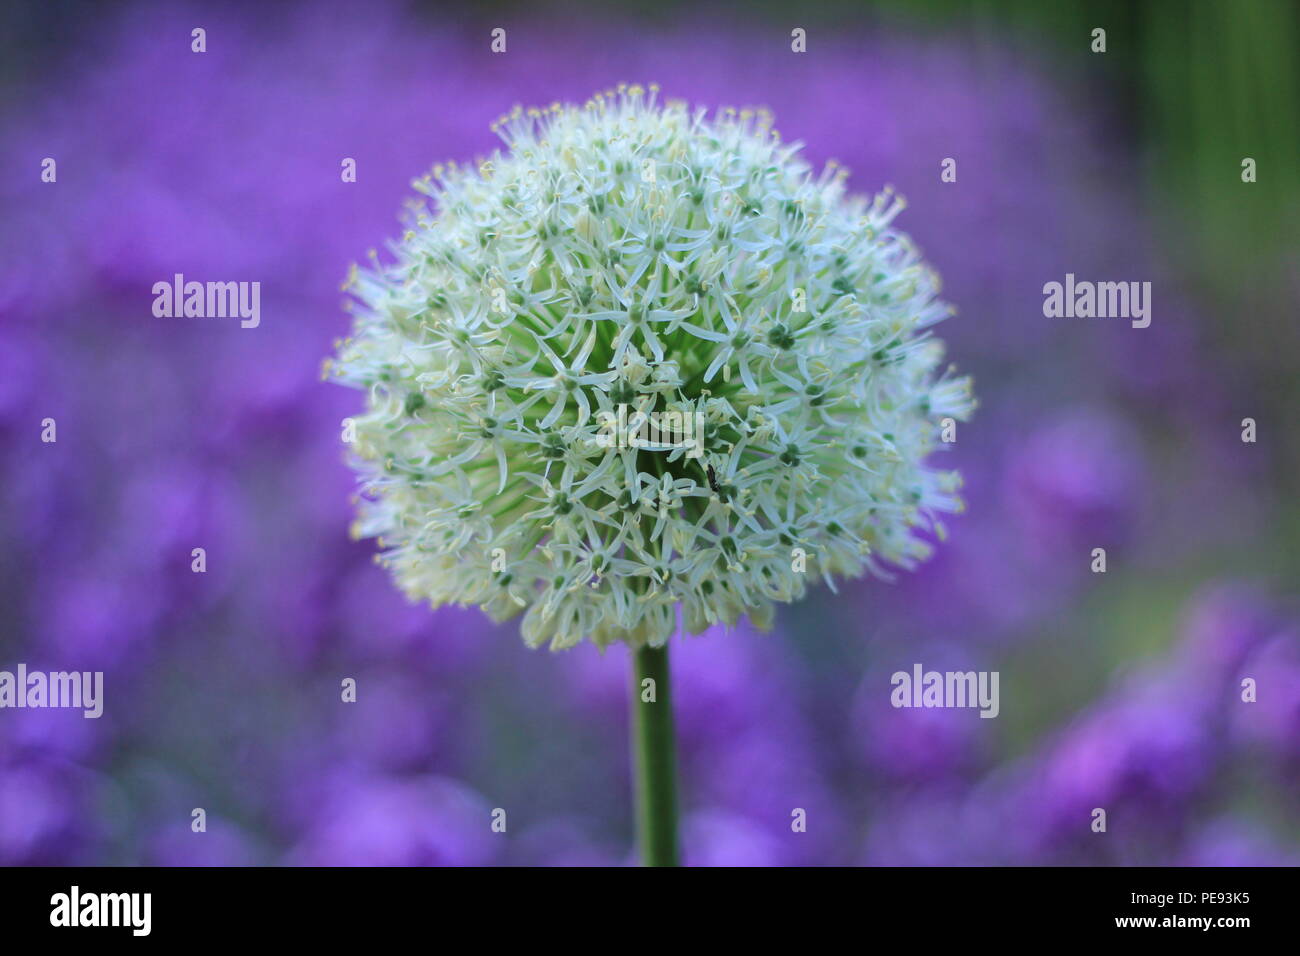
[(627, 263)]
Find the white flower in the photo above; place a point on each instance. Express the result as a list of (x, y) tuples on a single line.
[(646, 256)]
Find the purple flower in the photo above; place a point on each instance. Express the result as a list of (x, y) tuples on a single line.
[(46, 816), (384, 821), (52, 734), (1272, 719), (560, 842), (397, 722), (1142, 755), (1077, 482), (718, 838), (938, 829), (1224, 624), (1232, 841), (915, 744), (221, 844)]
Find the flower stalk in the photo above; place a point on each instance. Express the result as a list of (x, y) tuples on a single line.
[(654, 755)]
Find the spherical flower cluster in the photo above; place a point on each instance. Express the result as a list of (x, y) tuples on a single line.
[(646, 362)]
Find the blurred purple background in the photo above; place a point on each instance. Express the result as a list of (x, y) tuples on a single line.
[(1119, 690)]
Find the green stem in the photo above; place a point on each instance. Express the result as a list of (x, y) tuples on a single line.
[(655, 758)]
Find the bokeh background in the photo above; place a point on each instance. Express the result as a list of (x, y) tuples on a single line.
[(1118, 690)]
